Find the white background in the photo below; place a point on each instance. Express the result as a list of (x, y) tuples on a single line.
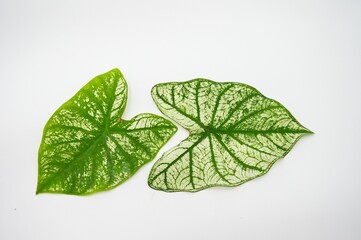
[(306, 54)]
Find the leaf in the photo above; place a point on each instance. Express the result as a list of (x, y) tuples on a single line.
[(236, 134), (87, 147)]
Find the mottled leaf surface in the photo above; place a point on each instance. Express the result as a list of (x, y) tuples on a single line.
[(87, 147), (236, 134)]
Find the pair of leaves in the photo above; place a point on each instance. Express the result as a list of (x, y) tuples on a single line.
[(236, 134)]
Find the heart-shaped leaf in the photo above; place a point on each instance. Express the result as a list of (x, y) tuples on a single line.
[(236, 134), (87, 147)]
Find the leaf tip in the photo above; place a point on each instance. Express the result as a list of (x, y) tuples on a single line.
[(38, 191), (39, 188), (115, 70), (152, 186), (308, 131)]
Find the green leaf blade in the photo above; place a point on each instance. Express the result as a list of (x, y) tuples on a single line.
[(87, 147), (236, 134)]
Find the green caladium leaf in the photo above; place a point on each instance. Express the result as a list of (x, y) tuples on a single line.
[(87, 147), (236, 134)]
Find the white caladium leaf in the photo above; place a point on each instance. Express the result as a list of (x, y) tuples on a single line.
[(87, 147), (236, 134)]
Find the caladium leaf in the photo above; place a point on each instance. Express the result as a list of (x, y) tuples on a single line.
[(87, 147), (236, 134)]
